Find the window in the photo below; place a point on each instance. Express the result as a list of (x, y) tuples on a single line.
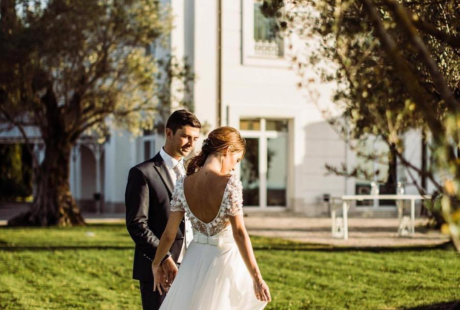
[(267, 41), (250, 124), (264, 169), (262, 43), (147, 145)]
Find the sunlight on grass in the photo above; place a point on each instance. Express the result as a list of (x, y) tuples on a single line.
[(90, 268)]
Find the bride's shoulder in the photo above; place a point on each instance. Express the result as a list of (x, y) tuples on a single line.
[(234, 182), (234, 196), (228, 178)]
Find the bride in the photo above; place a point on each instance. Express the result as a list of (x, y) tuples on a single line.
[(213, 273)]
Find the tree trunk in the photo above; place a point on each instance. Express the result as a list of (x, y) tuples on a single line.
[(53, 203)]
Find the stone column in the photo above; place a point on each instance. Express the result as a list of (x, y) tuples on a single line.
[(39, 151), (97, 151), (75, 172)]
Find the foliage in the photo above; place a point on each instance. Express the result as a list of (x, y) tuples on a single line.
[(15, 172), (395, 65), (175, 89), (88, 56), (90, 268)]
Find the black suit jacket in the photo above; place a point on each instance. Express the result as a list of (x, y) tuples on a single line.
[(147, 198)]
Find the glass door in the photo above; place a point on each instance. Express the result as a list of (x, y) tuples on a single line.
[(250, 176), (277, 171), (264, 169)]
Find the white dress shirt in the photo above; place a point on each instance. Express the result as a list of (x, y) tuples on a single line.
[(176, 169), (171, 163)]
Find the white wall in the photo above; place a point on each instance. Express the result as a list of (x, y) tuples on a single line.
[(120, 156), (205, 61), (323, 147)]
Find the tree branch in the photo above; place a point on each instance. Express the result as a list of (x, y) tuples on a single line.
[(453, 41), (408, 164), (411, 82), (405, 21)]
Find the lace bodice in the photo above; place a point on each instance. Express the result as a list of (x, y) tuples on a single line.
[(232, 205)]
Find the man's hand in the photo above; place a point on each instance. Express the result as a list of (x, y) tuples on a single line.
[(170, 271)]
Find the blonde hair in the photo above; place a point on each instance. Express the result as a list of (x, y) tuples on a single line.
[(218, 141)]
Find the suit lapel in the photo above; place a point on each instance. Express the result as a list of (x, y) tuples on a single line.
[(162, 170)]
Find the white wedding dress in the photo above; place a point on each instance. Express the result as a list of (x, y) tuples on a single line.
[(212, 275)]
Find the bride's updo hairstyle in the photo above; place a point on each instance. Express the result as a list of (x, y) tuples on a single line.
[(217, 142)]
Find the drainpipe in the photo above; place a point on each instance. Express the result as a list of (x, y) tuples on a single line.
[(219, 64)]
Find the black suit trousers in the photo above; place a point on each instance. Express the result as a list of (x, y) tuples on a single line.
[(150, 300)]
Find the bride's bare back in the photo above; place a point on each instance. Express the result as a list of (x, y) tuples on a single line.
[(204, 192), (209, 200)]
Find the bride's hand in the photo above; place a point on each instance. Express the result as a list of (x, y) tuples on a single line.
[(261, 289), (158, 278)]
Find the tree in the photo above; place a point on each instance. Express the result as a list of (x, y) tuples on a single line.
[(71, 67), (397, 68)]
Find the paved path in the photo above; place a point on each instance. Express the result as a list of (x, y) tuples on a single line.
[(363, 233)]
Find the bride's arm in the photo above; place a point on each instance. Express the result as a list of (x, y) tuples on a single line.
[(244, 245), (168, 236), (166, 241)]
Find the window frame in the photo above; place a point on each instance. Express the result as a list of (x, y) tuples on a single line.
[(249, 56)]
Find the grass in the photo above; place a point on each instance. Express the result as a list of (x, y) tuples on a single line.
[(90, 268)]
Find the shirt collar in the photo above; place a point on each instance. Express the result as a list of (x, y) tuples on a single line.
[(170, 161)]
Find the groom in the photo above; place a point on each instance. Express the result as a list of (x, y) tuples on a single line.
[(148, 193)]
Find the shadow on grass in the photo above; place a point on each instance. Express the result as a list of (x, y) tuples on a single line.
[(447, 246), (452, 305), (273, 247), (118, 229), (62, 248), (90, 225)]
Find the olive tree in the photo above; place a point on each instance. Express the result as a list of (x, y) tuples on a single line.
[(396, 67), (72, 67)]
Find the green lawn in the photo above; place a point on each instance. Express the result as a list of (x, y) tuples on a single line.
[(90, 268)]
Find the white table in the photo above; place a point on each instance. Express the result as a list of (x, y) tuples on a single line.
[(349, 198)]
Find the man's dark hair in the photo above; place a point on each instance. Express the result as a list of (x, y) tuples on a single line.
[(181, 118)]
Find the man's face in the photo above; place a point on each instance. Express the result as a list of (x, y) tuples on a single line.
[(183, 141)]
